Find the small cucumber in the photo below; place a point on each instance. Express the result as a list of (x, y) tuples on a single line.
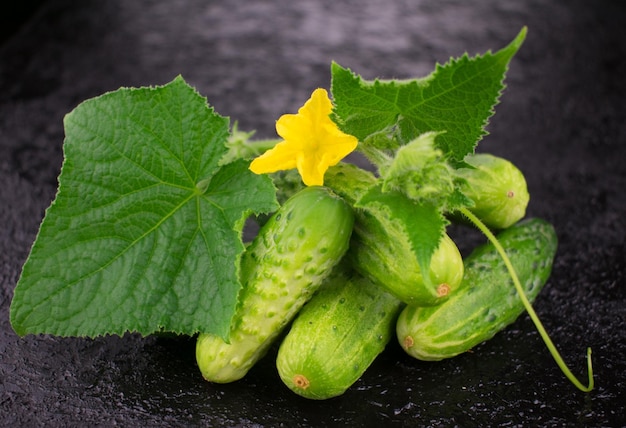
[(336, 336), (280, 270), (382, 252), (385, 256), (498, 189), (486, 300)]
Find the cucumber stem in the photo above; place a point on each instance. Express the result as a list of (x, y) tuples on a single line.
[(531, 312)]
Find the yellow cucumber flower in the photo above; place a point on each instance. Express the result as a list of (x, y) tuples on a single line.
[(312, 142)]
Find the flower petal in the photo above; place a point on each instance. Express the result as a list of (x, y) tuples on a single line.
[(310, 171), (292, 127), (281, 157), (318, 107), (338, 145)]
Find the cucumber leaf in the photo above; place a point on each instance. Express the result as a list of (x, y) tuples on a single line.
[(457, 97), (144, 234)]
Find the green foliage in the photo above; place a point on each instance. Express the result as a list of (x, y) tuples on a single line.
[(145, 232), (458, 98), (421, 172)]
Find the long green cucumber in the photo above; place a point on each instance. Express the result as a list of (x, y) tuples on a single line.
[(280, 270), (486, 301), (381, 251), (336, 336)]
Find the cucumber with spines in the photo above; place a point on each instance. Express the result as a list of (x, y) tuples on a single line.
[(336, 336), (383, 254), (486, 301), (280, 270)]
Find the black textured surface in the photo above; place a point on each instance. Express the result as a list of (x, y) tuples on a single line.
[(562, 121)]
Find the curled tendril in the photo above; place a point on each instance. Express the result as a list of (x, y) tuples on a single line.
[(531, 312)]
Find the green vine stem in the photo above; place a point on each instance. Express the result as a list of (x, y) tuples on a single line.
[(544, 335)]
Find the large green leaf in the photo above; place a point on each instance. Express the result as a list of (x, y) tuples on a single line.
[(458, 98), (144, 234)]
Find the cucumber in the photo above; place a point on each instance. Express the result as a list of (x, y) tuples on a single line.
[(498, 189), (382, 254), (280, 270), (381, 251), (336, 336), (486, 301)]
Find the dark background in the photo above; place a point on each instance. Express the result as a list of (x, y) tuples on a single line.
[(562, 121)]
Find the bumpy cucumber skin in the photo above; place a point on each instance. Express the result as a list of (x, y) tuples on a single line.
[(498, 189), (336, 337), (280, 270), (486, 302), (382, 253)]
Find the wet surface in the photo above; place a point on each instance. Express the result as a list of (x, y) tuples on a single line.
[(561, 120)]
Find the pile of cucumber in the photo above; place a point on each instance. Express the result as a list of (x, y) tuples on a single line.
[(345, 282)]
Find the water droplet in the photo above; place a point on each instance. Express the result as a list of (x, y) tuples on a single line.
[(489, 315), (342, 300), (534, 284)]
